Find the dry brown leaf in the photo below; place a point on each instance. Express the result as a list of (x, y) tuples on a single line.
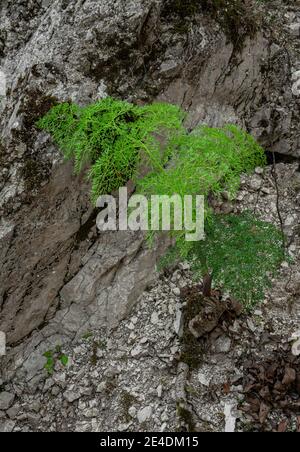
[(263, 412), (289, 376), (226, 388), (265, 392), (282, 427)]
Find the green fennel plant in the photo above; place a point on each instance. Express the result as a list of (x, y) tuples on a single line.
[(240, 252), (112, 137), (207, 162), (111, 140)]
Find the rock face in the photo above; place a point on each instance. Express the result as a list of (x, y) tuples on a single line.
[(6, 400), (129, 379), (57, 274)]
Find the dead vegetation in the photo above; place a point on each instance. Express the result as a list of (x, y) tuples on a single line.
[(272, 392)]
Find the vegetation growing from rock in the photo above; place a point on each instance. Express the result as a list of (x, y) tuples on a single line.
[(53, 356), (114, 139), (241, 252), (207, 162), (111, 136)]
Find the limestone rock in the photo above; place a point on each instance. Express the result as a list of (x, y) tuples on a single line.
[(6, 400)]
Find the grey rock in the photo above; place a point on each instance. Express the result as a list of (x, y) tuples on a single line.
[(296, 84), (204, 379), (144, 414), (2, 343), (159, 391), (71, 396), (178, 323), (226, 208), (223, 344), (137, 351), (7, 426), (6, 400), (154, 318), (36, 406), (296, 348), (101, 387), (13, 412), (295, 30), (132, 411), (255, 183), (33, 418), (259, 171), (55, 391)]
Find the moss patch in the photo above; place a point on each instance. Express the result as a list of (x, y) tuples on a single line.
[(237, 18), (127, 401), (34, 172), (191, 348), (186, 417)]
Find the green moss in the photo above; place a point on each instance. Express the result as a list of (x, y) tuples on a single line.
[(191, 348), (33, 172), (127, 401), (94, 357), (186, 417), (237, 18)]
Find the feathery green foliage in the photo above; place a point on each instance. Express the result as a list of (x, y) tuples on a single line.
[(242, 253), (114, 139), (112, 136), (207, 162)]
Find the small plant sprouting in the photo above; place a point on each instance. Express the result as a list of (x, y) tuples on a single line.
[(54, 356), (49, 366), (87, 336), (64, 360)]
